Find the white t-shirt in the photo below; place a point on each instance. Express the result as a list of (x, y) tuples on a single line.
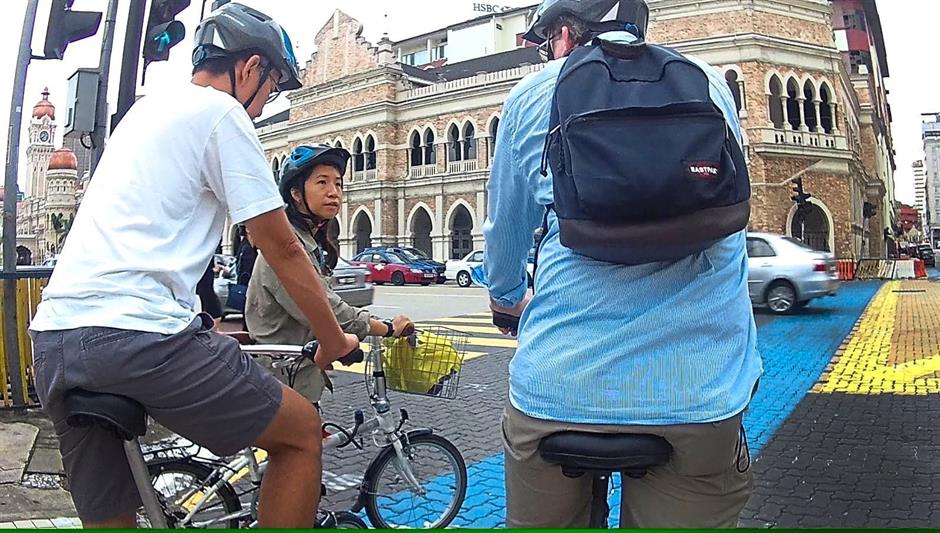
[(154, 213)]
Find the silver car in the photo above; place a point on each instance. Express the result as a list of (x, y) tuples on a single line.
[(348, 281), (785, 274)]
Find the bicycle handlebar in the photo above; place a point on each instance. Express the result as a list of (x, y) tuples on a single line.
[(510, 322), (356, 356)]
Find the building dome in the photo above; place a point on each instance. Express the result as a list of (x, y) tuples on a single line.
[(44, 108), (63, 159)]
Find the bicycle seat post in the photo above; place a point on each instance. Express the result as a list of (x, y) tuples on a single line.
[(126, 419)]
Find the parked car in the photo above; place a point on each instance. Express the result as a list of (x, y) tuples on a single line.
[(387, 267), (459, 269), (348, 281), (413, 254), (785, 274), (926, 253)]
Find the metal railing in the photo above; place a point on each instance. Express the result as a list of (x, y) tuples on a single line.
[(16, 369)]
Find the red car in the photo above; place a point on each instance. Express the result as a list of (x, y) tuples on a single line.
[(386, 267)]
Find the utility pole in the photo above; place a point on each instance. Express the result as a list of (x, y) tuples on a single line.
[(104, 70), (127, 86), (10, 345)]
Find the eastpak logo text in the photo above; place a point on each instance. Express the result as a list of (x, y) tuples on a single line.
[(703, 170)]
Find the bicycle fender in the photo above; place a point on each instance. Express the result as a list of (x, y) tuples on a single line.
[(373, 466)]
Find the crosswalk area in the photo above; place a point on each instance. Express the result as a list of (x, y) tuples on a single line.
[(482, 337)]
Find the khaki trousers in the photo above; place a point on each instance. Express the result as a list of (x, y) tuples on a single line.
[(702, 485)]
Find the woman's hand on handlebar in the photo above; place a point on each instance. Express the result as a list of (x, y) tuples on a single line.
[(324, 359), (402, 326)]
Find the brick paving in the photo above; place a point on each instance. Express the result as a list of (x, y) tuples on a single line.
[(863, 449)]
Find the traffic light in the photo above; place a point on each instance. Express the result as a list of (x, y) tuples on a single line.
[(67, 26), (163, 31), (800, 196)]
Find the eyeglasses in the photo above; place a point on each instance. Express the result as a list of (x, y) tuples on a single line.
[(546, 50), (275, 91)]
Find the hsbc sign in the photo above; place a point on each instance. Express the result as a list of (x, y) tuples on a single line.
[(489, 8)]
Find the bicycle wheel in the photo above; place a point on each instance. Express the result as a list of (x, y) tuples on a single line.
[(391, 502), (180, 486), (341, 520)]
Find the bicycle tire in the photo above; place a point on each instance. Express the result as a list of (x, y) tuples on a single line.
[(385, 459), (200, 473), (343, 520)]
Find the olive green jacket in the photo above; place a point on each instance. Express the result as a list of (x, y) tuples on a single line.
[(273, 317)]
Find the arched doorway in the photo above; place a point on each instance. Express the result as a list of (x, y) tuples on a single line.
[(363, 232), (461, 240), (811, 226), (421, 232)]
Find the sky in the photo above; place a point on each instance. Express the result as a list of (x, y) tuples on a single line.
[(914, 83)]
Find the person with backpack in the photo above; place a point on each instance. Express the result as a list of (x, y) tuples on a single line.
[(629, 156)]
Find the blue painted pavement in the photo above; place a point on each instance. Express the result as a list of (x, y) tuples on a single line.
[(795, 350)]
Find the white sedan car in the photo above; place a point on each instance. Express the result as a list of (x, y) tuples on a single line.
[(459, 269)]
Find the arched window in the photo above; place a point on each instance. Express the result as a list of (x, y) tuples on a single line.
[(469, 142), (809, 105), (494, 130), (793, 104), (416, 157), (826, 109), (734, 85), (370, 153), (276, 167), (430, 155), (358, 158), (775, 102), (454, 151)]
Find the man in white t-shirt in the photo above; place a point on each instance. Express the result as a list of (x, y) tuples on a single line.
[(118, 316)]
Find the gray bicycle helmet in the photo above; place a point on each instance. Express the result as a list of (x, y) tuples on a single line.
[(600, 16), (235, 28)]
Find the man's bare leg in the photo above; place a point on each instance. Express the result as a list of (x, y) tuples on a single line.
[(290, 491)]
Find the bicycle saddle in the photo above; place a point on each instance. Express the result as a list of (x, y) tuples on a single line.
[(120, 415), (578, 453)]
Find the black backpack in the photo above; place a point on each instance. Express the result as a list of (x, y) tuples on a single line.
[(645, 167)]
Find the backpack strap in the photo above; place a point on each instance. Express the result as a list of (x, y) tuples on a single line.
[(538, 245)]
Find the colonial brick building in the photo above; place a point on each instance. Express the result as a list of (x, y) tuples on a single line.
[(807, 76)]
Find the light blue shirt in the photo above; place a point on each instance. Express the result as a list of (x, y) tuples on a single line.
[(601, 343)]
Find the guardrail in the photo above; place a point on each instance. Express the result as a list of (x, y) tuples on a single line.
[(16, 369)]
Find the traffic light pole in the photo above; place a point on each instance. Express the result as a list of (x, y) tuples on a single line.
[(127, 91), (104, 70), (10, 347)]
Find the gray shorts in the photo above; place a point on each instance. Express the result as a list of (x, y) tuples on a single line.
[(196, 383)]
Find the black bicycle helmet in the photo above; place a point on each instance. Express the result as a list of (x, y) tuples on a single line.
[(235, 28), (600, 16), (305, 157)]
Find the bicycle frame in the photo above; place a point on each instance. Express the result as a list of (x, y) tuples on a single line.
[(383, 422)]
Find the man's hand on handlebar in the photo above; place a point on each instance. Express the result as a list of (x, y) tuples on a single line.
[(348, 352), (507, 318)]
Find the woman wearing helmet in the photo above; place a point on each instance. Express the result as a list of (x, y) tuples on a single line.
[(311, 184)]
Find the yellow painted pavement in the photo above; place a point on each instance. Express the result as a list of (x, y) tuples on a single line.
[(867, 363)]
